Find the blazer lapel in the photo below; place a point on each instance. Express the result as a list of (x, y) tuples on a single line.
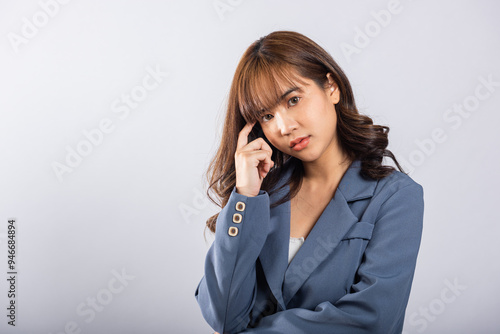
[(274, 254), (284, 280), (335, 221), (326, 234)]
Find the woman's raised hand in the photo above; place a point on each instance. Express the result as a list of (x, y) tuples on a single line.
[(252, 162)]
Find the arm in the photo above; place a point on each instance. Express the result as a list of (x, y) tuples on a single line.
[(377, 301), (226, 293)]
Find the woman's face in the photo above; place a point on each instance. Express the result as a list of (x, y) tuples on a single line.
[(305, 111)]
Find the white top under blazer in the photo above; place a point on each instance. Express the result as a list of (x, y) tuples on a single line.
[(295, 244)]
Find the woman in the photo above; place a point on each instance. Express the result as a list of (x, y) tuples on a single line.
[(315, 235)]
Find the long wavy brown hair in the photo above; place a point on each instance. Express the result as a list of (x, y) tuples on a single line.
[(278, 58)]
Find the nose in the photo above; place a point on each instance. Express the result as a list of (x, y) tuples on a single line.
[(285, 122)]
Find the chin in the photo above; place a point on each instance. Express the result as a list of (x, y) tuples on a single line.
[(306, 157)]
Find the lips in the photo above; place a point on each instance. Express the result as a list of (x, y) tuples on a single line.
[(301, 145), (297, 140)]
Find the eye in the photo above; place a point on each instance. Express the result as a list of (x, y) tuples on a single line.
[(294, 100), (264, 119)]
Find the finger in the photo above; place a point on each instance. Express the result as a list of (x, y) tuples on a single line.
[(262, 162), (257, 158), (266, 167), (243, 135), (258, 144)]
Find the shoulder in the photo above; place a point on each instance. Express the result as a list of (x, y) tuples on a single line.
[(398, 193), (397, 182)]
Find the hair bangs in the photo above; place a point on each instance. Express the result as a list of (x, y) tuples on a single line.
[(262, 85)]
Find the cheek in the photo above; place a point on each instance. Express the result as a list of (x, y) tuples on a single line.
[(267, 132), (273, 139)]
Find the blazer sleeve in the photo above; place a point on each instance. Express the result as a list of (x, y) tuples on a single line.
[(226, 293), (376, 303)]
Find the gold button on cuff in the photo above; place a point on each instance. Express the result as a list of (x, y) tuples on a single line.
[(237, 218), (240, 206), (233, 231)]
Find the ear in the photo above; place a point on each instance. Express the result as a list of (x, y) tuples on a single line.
[(332, 90)]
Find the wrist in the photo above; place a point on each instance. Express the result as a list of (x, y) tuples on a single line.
[(244, 193)]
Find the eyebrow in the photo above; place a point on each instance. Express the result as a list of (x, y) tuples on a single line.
[(291, 90)]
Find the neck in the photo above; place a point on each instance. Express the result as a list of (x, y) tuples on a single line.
[(327, 171)]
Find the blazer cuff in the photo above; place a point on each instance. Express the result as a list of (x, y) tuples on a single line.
[(244, 220)]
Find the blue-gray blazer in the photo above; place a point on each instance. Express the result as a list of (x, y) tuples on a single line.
[(353, 273)]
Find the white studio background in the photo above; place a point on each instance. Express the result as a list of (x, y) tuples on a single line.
[(111, 110)]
